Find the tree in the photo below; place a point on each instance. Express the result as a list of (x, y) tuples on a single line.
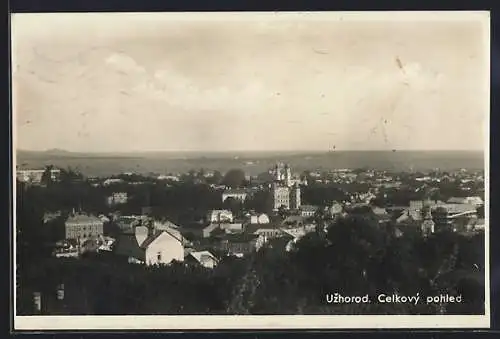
[(46, 179), (480, 211), (234, 205), (216, 178), (260, 201), (234, 178)]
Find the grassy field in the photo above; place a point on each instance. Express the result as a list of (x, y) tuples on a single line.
[(251, 162)]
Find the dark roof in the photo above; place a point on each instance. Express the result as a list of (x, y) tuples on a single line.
[(279, 243), (126, 244), (294, 219), (155, 236), (150, 239), (309, 208), (239, 237)]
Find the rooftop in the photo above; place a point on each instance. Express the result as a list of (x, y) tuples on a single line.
[(308, 208), (238, 238), (202, 255), (83, 218), (235, 191), (458, 208)]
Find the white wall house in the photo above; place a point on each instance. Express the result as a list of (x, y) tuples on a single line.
[(308, 211), (220, 216), (150, 248), (232, 227), (162, 248), (259, 219)]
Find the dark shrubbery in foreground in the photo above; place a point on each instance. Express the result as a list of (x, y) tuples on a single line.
[(353, 258)]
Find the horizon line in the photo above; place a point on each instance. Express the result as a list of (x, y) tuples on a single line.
[(249, 151)]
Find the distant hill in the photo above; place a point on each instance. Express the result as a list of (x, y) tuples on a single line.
[(253, 163), (57, 151)]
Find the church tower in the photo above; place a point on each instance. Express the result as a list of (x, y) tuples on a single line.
[(295, 197), (277, 174), (288, 175), (428, 224)]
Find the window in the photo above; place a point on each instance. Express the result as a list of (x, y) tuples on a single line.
[(158, 256)]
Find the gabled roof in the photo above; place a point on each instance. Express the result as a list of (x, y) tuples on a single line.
[(155, 236)]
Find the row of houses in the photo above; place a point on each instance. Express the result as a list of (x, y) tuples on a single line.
[(141, 240), (457, 214), (147, 241)]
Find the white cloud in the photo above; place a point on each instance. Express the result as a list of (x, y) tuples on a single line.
[(180, 91), (124, 63)]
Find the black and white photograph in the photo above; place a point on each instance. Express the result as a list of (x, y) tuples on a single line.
[(250, 170)]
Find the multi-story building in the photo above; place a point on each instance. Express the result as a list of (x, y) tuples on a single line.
[(218, 216), (82, 227), (285, 190), (281, 197), (117, 198)]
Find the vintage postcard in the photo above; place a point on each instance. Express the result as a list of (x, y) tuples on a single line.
[(314, 170)]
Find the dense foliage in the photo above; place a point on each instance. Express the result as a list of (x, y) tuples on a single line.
[(355, 256)]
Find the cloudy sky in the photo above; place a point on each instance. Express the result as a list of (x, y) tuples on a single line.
[(215, 82)]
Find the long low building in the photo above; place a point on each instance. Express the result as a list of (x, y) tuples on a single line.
[(34, 176)]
